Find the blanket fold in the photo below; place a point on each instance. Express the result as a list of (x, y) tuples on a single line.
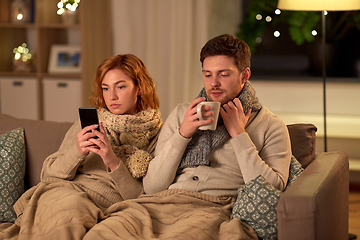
[(172, 214)]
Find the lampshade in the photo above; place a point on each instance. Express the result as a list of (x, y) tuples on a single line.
[(319, 5)]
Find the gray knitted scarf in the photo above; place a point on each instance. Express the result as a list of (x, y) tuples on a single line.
[(204, 141)]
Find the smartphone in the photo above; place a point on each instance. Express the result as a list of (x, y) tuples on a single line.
[(88, 116)]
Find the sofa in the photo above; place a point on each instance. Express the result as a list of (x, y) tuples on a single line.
[(315, 206)]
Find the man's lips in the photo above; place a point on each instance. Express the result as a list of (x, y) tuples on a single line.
[(216, 93)]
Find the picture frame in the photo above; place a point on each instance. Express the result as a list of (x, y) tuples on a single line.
[(64, 59)]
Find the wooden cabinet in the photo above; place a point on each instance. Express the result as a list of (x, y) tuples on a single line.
[(92, 33), (61, 99), (18, 97)]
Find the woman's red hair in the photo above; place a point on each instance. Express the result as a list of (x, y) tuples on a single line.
[(134, 68)]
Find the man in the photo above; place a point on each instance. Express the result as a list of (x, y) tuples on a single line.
[(249, 140), (193, 179)]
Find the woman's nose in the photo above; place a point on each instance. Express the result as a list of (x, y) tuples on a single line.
[(113, 95)]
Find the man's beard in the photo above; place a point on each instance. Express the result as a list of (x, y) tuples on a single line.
[(225, 95)]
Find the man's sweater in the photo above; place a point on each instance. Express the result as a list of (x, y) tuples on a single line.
[(264, 149)]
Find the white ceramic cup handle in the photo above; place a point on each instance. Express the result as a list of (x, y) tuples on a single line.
[(199, 106)]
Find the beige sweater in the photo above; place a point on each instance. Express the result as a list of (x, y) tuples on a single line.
[(263, 150), (89, 171)]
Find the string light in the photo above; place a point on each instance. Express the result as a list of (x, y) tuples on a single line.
[(267, 19), (70, 5), (22, 53), (19, 17)]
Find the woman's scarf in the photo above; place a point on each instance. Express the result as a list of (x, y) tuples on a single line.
[(130, 135), (204, 141)]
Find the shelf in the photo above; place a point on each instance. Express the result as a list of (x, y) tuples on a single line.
[(92, 32), (41, 75), (58, 25), (38, 25), (60, 75), (17, 25), (18, 74)]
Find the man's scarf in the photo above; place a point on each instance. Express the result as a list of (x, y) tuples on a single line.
[(130, 135), (205, 141)]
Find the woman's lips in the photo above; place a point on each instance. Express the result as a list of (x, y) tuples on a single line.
[(115, 105)]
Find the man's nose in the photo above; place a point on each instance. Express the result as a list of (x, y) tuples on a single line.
[(215, 82)]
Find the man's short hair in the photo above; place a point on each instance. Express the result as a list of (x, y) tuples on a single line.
[(227, 45)]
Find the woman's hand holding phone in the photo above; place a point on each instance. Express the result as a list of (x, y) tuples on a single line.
[(102, 146), (83, 138), (92, 138)]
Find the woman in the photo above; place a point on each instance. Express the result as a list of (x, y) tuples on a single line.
[(88, 174)]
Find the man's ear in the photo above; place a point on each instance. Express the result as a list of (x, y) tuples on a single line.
[(246, 75)]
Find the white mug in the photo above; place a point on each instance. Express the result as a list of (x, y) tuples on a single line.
[(215, 109)]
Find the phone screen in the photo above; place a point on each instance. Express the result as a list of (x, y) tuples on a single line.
[(88, 116)]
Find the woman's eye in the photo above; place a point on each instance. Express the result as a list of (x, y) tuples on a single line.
[(121, 87), (105, 89)]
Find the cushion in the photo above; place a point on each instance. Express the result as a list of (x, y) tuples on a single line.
[(295, 170), (257, 201), (256, 206), (303, 139), (37, 135), (12, 172)]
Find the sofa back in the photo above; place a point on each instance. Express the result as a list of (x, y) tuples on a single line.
[(42, 138)]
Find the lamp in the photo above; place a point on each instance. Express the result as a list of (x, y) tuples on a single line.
[(321, 5)]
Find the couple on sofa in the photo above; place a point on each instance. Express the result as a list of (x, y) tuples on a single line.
[(132, 181)]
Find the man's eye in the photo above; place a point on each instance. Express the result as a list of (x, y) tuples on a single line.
[(207, 75), (224, 75)]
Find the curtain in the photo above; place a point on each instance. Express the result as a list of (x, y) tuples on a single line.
[(167, 35)]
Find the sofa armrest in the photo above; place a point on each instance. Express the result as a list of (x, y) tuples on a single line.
[(316, 205)]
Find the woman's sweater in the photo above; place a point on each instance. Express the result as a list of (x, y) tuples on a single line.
[(89, 171), (263, 150)]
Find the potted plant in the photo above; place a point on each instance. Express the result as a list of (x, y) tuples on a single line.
[(304, 28), (341, 57)]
